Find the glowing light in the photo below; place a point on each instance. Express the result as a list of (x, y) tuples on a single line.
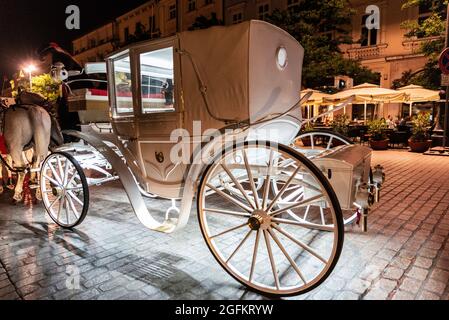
[(30, 68)]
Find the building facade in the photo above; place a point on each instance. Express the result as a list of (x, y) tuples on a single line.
[(385, 50), (153, 19), (95, 45)]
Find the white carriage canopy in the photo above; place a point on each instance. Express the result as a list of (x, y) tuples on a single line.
[(250, 70)]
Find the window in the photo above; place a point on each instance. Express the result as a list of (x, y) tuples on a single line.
[(425, 11), (191, 5), (358, 112), (152, 24), (172, 12), (293, 6), (368, 36), (237, 17), (123, 87), (126, 34), (92, 43), (207, 2), (263, 11), (157, 76)]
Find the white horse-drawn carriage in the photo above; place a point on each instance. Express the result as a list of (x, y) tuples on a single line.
[(214, 115)]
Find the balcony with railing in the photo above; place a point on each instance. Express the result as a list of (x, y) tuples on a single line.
[(358, 52), (413, 45)]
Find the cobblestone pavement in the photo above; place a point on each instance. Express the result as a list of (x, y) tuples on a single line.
[(405, 254)]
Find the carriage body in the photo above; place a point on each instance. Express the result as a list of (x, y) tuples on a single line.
[(169, 99), (239, 69)]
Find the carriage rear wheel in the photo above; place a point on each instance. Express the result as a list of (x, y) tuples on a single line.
[(251, 233), (318, 141), (65, 191)]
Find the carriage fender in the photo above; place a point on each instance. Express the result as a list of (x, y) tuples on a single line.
[(130, 185)]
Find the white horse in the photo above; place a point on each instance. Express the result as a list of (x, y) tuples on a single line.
[(9, 181), (26, 127)]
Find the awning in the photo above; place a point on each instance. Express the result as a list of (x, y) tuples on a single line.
[(317, 97), (369, 93), (419, 94)]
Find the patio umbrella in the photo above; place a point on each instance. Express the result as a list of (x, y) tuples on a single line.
[(418, 94), (369, 93), (316, 99)]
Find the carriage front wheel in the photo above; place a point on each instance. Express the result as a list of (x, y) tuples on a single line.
[(65, 191), (251, 232)]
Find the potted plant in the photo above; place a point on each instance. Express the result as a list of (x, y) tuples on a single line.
[(340, 125), (378, 138), (419, 141)]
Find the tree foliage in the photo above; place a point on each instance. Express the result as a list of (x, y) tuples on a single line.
[(322, 26), (432, 31), (203, 22), (46, 86), (142, 34)]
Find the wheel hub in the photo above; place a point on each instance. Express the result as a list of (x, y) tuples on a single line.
[(57, 191), (259, 220)]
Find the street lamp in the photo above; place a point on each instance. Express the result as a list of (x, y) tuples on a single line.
[(30, 69)]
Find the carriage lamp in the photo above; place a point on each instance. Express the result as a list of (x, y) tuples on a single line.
[(282, 58), (30, 69)]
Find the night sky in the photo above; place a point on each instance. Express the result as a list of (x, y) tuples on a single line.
[(25, 26)]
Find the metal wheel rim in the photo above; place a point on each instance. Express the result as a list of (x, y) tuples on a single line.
[(311, 135), (225, 261), (61, 184)]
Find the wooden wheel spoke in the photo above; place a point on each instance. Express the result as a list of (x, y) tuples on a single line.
[(229, 230), (77, 188), (230, 198), (303, 203), (294, 196), (270, 255), (323, 219), (239, 246), (73, 207), (54, 202), (74, 197), (239, 186), (299, 243), (55, 174), (61, 206), (284, 251), (251, 180), (267, 182), (284, 188), (227, 212), (67, 210), (256, 249), (304, 224), (330, 143), (66, 173), (71, 179), (306, 214), (61, 172), (52, 180)]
